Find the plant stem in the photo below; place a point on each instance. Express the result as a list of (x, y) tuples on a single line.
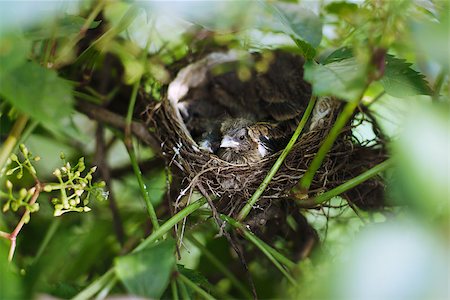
[(248, 206), (96, 286), (195, 287), (109, 276), (157, 234), (12, 139), (265, 249), (183, 290), (48, 236), (438, 85), (150, 209), (23, 220), (221, 267), (341, 121), (68, 47), (173, 287), (346, 185)]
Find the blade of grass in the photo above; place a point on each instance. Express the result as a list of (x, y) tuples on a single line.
[(262, 187)]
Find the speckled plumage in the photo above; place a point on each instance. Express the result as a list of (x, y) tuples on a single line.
[(244, 141)]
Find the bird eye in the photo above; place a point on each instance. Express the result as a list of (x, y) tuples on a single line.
[(241, 137)]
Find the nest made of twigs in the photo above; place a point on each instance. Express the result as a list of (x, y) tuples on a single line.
[(232, 185)]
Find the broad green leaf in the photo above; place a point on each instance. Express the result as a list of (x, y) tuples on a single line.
[(38, 92), (401, 80), (302, 24), (344, 79), (14, 51), (147, 272)]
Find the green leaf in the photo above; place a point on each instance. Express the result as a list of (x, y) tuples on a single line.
[(338, 55), (302, 24), (147, 272), (341, 8), (14, 51), (11, 283), (68, 25), (401, 80), (195, 277), (344, 79), (38, 92)]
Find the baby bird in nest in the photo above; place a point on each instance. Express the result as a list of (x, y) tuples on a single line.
[(244, 141)]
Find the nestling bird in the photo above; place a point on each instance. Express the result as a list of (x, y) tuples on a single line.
[(244, 141), (203, 97)]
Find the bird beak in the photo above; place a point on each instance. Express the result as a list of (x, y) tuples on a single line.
[(228, 142)]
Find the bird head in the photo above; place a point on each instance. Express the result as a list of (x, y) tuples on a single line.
[(235, 135)]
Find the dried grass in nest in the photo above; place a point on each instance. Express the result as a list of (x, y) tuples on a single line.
[(233, 185)]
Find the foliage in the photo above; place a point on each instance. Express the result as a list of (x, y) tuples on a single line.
[(388, 57)]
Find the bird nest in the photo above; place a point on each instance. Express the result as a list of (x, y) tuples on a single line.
[(233, 184)]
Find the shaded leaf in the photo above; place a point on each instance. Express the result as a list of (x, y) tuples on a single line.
[(344, 79), (147, 272), (66, 26), (341, 8), (338, 55), (38, 92), (14, 51), (401, 80), (300, 23), (196, 277), (11, 286)]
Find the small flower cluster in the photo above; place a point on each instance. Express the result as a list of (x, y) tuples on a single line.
[(14, 201), (76, 190)]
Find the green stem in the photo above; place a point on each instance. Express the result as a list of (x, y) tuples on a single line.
[(173, 287), (346, 186), (183, 290), (69, 46), (195, 287), (48, 236), (158, 233), (341, 121), (265, 249), (438, 85), (262, 187), (12, 139), (109, 276), (221, 267), (133, 98), (105, 291), (96, 286), (150, 209)]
